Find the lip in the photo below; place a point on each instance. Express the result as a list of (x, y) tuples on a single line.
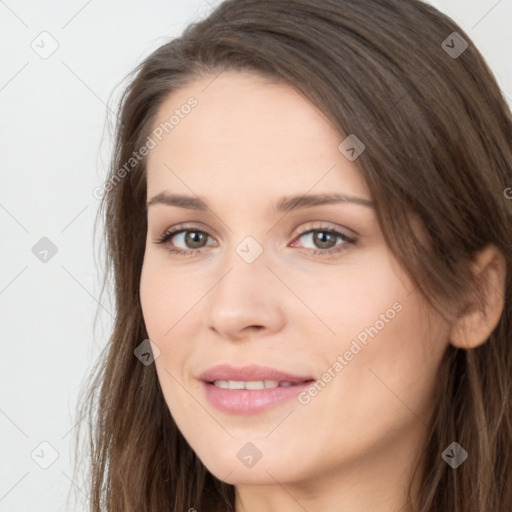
[(244, 401), (249, 372)]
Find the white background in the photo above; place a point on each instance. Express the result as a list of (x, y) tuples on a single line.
[(55, 148)]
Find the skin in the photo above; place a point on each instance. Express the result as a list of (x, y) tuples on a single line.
[(248, 143)]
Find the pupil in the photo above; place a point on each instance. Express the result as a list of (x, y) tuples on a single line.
[(323, 239), (193, 239)]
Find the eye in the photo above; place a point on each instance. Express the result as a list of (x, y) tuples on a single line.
[(193, 239), (324, 241)]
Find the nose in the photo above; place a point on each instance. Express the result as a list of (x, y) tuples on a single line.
[(247, 300)]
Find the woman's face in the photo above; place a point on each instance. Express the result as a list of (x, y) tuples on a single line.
[(311, 290)]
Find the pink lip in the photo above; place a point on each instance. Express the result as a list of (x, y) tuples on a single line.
[(245, 401), (249, 372)]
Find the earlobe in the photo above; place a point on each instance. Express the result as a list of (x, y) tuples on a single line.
[(483, 312)]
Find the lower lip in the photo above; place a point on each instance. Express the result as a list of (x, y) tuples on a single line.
[(244, 401)]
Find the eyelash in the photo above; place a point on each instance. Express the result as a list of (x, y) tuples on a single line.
[(168, 235)]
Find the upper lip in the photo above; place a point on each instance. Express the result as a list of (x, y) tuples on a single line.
[(250, 372)]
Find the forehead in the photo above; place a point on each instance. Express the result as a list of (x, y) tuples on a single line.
[(246, 130)]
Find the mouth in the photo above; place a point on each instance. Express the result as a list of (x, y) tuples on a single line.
[(238, 400), (250, 389), (252, 374), (256, 384)]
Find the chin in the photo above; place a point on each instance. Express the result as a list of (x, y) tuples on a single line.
[(265, 471)]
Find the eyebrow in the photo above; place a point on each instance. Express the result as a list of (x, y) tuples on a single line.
[(285, 205)]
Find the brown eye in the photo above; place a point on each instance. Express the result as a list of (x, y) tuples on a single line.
[(324, 239), (195, 239)]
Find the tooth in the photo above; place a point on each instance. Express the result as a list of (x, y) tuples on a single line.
[(254, 384), (251, 385), (236, 384)]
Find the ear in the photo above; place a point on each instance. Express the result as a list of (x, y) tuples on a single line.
[(482, 313)]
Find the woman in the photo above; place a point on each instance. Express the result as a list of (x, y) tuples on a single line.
[(309, 231)]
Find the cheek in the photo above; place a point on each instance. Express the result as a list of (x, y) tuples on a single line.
[(170, 304), (380, 329), (163, 305), (154, 303), (389, 365), (353, 296), (164, 296)]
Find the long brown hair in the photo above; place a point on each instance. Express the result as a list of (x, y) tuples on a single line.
[(438, 139)]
